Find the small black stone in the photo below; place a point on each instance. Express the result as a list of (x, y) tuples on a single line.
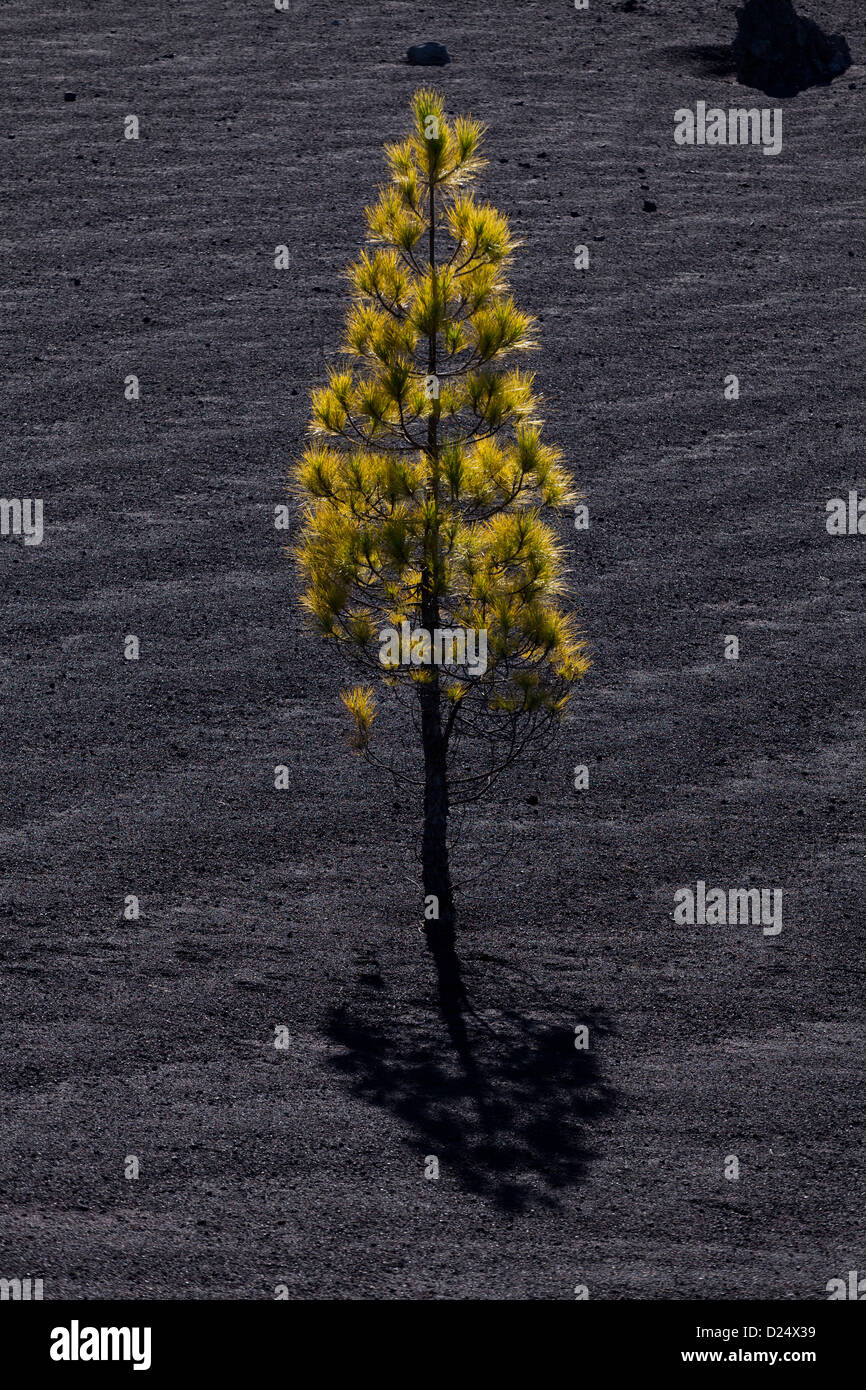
[(428, 55), (649, 206), (68, 96)]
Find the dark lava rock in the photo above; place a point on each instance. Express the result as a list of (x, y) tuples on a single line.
[(428, 55), (649, 205), (68, 96), (780, 53)]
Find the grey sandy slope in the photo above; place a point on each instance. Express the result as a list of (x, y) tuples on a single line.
[(155, 1037)]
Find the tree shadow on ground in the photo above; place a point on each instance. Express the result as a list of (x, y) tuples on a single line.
[(503, 1101)]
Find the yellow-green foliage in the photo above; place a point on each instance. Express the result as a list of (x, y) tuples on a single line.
[(408, 495), (361, 704)]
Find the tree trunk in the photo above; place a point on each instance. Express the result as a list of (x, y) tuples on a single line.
[(441, 931), (436, 873)]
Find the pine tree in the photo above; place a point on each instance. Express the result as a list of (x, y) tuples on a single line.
[(422, 487)]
